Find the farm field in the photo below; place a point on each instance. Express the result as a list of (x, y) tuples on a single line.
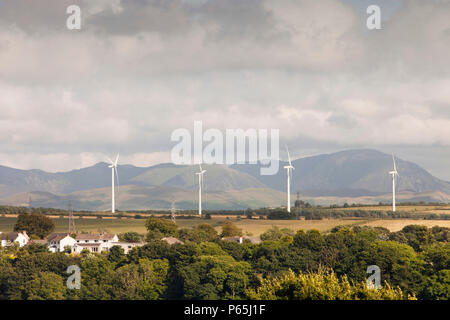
[(398, 224), (88, 225), (254, 227), (428, 209)]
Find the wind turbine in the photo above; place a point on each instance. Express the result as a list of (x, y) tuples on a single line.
[(113, 167), (288, 173), (394, 175), (200, 184)]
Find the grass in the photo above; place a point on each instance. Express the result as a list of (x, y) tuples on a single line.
[(88, 225)]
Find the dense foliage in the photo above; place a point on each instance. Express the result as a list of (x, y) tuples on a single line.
[(35, 224), (414, 262)]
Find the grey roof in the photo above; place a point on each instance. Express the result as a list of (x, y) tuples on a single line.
[(95, 236), (57, 236), (10, 236)]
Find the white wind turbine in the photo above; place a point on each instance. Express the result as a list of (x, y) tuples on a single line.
[(113, 167), (200, 185), (394, 174), (288, 173)]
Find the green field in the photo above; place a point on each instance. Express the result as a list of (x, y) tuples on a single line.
[(253, 227), (89, 225)]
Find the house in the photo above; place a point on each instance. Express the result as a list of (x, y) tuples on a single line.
[(242, 239), (94, 242), (85, 238), (8, 238), (127, 246), (97, 243), (172, 240), (92, 247), (57, 242)]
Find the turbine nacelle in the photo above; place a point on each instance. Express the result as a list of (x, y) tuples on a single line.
[(394, 172), (113, 163)]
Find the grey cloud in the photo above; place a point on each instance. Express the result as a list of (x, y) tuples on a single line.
[(140, 69)]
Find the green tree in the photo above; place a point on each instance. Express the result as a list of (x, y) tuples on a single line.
[(319, 286), (275, 233), (116, 254), (229, 229), (44, 286), (97, 277), (215, 277), (158, 228), (143, 281), (202, 232), (130, 236), (34, 224)]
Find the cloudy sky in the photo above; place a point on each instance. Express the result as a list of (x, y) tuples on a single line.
[(138, 69)]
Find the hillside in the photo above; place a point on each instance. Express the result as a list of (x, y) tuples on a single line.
[(346, 176), (132, 197), (350, 173)]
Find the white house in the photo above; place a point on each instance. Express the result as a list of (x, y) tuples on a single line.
[(97, 243), (105, 246), (127, 246), (92, 247), (95, 238), (9, 238), (57, 242)]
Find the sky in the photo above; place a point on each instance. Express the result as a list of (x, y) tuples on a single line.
[(139, 69)]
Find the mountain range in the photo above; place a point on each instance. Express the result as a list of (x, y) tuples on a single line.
[(346, 176)]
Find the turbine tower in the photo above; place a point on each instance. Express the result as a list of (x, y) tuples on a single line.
[(289, 173), (200, 185), (394, 175), (113, 167)]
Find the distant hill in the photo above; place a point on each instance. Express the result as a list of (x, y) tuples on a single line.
[(352, 175), (132, 197)]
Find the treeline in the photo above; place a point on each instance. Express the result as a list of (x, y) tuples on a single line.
[(324, 213), (414, 263), (305, 210)]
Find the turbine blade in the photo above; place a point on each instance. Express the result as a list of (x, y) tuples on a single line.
[(393, 160), (110, 161), (117, 159), (289, 156)]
